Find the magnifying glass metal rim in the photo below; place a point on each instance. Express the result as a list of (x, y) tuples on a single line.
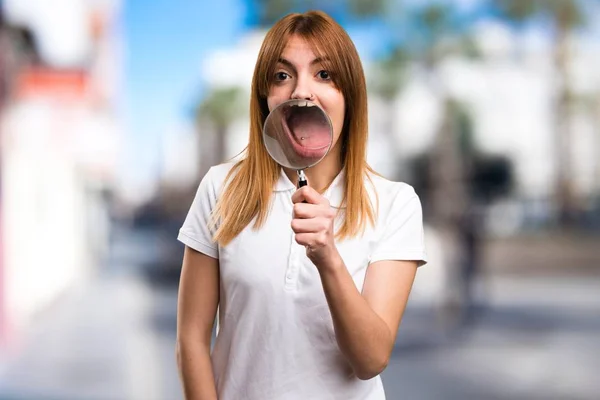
[(289, 103)]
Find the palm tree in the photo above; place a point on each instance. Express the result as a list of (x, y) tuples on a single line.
[(565, 16), (269, 11), (215, 114), (437, 37), (386, 80), (448, 163)]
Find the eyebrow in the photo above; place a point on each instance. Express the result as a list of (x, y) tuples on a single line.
[(289, 64)]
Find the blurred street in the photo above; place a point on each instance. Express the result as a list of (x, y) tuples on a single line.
[(532, 337), (112, 111)]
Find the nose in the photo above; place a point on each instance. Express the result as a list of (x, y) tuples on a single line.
[(302, 91)]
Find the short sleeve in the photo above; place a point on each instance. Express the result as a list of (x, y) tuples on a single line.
[(195, 231), (402, 236)]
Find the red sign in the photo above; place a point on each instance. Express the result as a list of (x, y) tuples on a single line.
[(48, 82)]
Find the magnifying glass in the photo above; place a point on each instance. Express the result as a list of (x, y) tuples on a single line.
[(297, 135)]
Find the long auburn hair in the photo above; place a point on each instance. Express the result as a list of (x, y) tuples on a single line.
[(251, 181)]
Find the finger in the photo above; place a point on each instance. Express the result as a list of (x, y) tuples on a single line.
[(309, 195), (300, 195), (312, 225), (305, 210)]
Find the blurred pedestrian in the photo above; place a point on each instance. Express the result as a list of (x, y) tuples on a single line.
[(310, 284)]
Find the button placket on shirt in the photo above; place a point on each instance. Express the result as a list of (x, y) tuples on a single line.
[(294, 260), (293, 267)]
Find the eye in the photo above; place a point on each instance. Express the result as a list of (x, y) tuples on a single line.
[(324, 75), (281, 76)]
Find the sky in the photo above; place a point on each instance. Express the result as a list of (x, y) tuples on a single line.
[(165, 42)]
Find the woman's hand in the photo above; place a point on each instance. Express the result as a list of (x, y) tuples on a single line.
[(313, 222)]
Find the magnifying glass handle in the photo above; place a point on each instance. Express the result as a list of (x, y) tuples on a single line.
[(301, 179)]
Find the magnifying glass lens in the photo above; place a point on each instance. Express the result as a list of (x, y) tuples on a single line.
[(297, 134)]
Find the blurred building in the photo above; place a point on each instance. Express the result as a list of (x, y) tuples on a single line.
[(60, 139)]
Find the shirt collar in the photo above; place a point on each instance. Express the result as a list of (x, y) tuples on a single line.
[(334, 193)]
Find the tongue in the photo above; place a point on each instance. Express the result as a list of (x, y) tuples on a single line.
[(309, 129)]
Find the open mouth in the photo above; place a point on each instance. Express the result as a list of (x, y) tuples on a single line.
[(307, 128)]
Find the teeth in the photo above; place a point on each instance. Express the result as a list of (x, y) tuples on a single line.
[(305, 103)]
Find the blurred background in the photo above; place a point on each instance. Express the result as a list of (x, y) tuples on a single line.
[(111, 111)]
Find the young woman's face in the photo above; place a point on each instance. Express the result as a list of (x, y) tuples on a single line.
[(300, 75)]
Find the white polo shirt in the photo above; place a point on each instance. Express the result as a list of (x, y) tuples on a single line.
[(275, 337)]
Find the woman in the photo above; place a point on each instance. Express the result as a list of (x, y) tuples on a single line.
[(310, 284)]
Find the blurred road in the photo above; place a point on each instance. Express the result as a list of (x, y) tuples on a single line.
[(534, 337)]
